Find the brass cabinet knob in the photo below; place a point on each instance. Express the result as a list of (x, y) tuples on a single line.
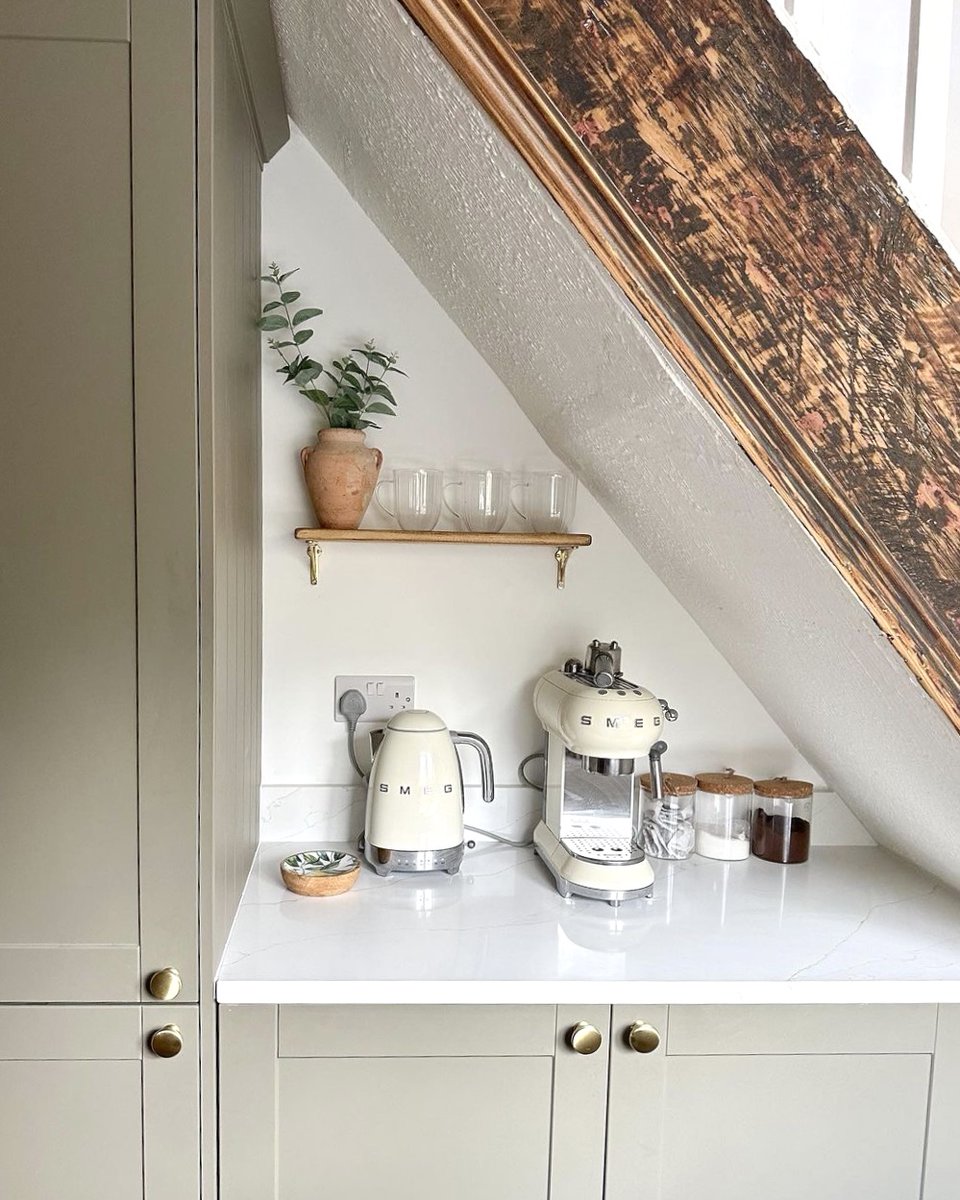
[(585, 1038), (642, 1037), (165, 984), (166, 1042)]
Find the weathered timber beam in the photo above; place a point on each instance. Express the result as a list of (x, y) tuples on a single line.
[(718, 180)]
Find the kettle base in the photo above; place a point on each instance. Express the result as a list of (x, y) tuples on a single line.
[(386, 862)]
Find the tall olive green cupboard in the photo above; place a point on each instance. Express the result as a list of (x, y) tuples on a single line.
[(132, 135)]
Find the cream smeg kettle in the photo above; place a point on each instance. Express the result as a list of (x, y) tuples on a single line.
[(415, 795)]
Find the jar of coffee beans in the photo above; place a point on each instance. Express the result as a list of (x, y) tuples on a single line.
[(782, 815)]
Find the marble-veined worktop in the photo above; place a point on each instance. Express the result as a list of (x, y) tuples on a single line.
[(855, 924)]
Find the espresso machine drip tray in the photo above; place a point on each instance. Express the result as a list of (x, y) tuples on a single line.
[(603, 849)]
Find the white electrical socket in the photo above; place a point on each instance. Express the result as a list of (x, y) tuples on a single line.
[(384, 694)]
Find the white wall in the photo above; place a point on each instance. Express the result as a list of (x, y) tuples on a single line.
[(475, 625)]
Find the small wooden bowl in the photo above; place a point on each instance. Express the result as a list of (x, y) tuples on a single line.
[(320, 872)]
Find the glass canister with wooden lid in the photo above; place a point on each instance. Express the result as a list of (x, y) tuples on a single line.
[(722, 813), (667, 824), (782, 818)]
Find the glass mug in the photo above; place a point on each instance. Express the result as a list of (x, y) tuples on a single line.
[(483, 500), (417, 495), (548, 500)]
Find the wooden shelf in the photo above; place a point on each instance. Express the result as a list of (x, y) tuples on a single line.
[(563, 544)]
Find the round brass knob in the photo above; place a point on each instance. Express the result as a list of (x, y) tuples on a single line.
[(166, 1042), (165, 984), (585, 1038), (642, 1037)]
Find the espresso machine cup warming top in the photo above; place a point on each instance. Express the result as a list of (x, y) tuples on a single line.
[(601, 730)]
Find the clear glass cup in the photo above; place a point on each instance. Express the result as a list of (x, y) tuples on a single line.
[(482, 499), (547, 500), (417, 496)]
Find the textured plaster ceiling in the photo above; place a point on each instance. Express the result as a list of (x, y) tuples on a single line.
[(376, 101)]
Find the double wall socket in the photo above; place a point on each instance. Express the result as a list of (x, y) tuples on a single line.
[(384, 694)]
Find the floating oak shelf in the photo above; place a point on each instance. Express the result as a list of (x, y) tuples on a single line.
[(563, 544)]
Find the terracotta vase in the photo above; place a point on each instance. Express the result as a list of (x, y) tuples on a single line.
[(341, 472)]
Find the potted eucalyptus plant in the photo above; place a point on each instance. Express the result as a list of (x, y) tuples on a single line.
[(339, 468)]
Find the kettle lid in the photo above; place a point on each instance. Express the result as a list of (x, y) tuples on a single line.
[(416, 720)]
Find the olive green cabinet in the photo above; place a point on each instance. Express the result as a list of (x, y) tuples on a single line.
[(590, 1103), (86, 1109), (414, 1103), (132, 135), (98, 761), (781, 1101)]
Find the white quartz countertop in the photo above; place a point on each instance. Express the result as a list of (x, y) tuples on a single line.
[(855, 924)]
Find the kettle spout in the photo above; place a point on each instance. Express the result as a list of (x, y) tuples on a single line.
[(486, 760)]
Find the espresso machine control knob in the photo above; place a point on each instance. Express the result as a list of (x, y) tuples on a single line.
[(573, 666), (670, 714)]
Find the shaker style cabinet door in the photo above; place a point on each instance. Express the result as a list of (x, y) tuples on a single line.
[(88, 1111), (785, 1102), (68, 704), (96, 709), (418, 1103)]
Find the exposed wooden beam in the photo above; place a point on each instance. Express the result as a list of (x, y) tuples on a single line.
[(719, 181)]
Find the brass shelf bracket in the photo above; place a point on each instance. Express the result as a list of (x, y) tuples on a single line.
[(314, 550), (562, 555)]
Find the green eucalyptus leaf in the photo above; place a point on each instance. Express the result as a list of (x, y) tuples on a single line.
[(397, 371), (307, 375), (301, 335), (305, 314), (272, 322), (272, 305), (377, 407), (287, 274), (289, 297)]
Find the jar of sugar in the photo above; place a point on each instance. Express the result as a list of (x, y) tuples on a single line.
[(667, 824), (722, 812)]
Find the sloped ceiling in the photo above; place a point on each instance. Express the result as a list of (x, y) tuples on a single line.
[(375, 100)]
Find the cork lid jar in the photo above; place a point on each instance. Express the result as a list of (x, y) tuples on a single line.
[(782, 816), (724, 783), (785, 789), (722, 812), (674, 784)]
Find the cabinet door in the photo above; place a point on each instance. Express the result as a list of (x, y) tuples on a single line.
[(421, 1103), (777, 1101), (98, 637), (84, 1109)]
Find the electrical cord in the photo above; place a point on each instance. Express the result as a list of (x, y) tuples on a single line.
[(498, 837), (353, 706), (520, 771)]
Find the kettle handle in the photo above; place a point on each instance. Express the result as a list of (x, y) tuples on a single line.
[(486, 759)]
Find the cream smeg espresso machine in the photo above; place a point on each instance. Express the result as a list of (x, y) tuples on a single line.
[(599, 728)]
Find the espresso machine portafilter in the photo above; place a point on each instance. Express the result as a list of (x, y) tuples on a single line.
[(598, 725)]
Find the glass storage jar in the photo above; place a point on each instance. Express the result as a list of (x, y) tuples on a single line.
[(782, 816), (666, 825), (722, 813)]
